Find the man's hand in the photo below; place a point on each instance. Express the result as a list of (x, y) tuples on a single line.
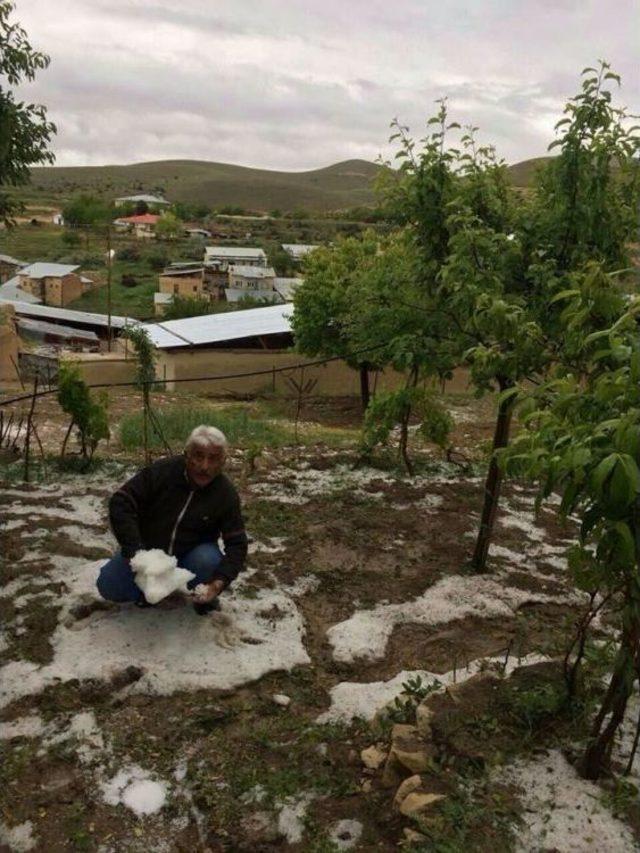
[(206, 592)]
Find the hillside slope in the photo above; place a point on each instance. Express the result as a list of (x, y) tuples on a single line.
[(335, 187)]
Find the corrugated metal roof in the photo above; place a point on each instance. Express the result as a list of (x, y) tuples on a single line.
[(252, 272), (216, 328), (233, 252), (44, 328), (7, 259), (24, 309), (235, 294), (11, 291), (44, 269)]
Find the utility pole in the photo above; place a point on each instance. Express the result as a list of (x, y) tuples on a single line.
[(108, 288)]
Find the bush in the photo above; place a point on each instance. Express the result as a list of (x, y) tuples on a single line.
[(158, 258), (129, 280), (71, 238), (128, 253)]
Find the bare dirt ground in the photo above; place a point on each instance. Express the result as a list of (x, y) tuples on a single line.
[(128, 729)]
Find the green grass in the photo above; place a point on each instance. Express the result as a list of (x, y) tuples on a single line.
[(242, 427), (336, 187)]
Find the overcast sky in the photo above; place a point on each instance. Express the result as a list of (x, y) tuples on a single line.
[(300, 84)]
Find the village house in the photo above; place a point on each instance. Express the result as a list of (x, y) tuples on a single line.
[(48, 283), (189, 281), (9, 267), (220, 258), (143, 225), (253, 282), (153, 202)]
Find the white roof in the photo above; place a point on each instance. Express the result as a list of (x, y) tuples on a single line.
[(286, 287), (298, 250), (233, 252), (149, 199), (23, 308), (7, 259), (236, 294), (216, 328), (252, 272), (43, 269), (11, 291)]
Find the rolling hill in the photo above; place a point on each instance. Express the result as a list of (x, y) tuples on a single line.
[(337, 187)]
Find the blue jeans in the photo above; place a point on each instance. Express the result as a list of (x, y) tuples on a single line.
[(116, 579)]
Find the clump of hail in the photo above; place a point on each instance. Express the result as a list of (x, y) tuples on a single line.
[(158, 574)]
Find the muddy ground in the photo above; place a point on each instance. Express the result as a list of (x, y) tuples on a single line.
[(100, 759)]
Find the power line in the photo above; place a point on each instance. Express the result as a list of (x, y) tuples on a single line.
[(215, 377)]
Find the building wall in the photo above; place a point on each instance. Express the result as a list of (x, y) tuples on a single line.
[(243, 282), (8, 344), (332, 380), (7, 271), (182, 285), (59, 291)]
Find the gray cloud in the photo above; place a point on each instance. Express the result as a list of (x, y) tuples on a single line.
[(299, 85)]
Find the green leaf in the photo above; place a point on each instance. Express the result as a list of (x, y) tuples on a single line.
[(564, 294), (602, 471)]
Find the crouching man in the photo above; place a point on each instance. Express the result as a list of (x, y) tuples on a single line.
[(182, 505)]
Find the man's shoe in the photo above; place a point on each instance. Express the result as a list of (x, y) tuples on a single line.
[(207, 607)]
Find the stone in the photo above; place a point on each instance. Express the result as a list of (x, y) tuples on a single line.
[(407, 787), (365, 787), (411, 836), (281, 699), (409, 749), (424, 715), (417, 803), (393, 773), (373, 757)]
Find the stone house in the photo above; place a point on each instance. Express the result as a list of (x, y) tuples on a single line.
[(53, 284)]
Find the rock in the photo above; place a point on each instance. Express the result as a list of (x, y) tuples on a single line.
[(409, 749), (281, 699), (417, 803), (393, 773), (366, 786), (424, 715), (373, 757), (407, 787), (411, 836)]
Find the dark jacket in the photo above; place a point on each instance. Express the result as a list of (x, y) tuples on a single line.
[(160, 508)]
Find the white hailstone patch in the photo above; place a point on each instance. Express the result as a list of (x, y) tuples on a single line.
[(291, 817), (562, 811), (13, 524), (176, 649), (136, 789), (345, 834), (29, 726), (19, 838), (301, 485), (158, 575), (303, 585), (366, 633), (88, 537), (274, 546), (362, 700)]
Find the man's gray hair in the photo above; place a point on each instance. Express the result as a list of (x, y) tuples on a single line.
[(206, 436)]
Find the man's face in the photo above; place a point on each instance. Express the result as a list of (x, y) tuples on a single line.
[(203, 463)]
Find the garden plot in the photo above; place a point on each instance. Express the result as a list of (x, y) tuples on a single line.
[(159, 722)]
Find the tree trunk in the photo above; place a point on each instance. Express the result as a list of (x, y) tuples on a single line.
[(412, 381), (493, 483), (365, 394), (598, 753), (66, 439)]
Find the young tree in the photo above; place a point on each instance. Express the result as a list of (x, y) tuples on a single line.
[(582, 439), (88, 413), (25, 132), (322, 304), (86, 210), (169, 227)]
